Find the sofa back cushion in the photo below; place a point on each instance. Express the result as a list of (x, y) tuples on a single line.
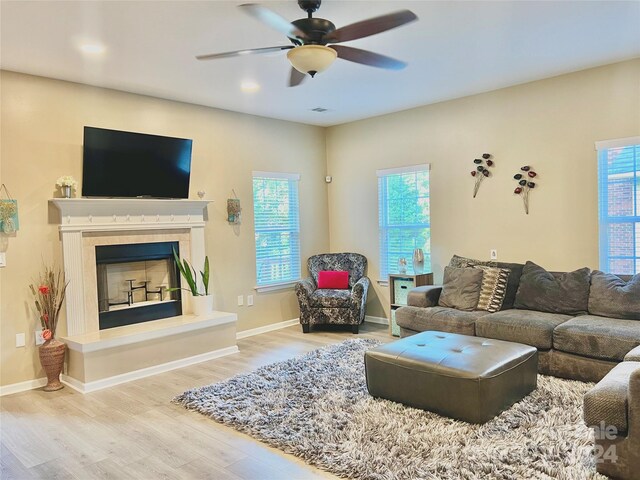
[(461, 288), (512, 283), (611, 296), (566, 293)]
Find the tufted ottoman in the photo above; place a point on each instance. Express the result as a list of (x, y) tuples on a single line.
[(466, 378)]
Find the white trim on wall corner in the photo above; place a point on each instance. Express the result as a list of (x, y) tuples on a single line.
[(22, 386), (378, 320), (267, 328)]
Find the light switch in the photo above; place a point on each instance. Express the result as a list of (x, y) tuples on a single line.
[(240, 300), (249, 300), (39, 339), (20, 340), (3, 259)]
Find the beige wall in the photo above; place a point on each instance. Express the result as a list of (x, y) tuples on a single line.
[(41, 138), (550, 124)]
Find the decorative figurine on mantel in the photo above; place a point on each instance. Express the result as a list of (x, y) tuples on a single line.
[(481, 171), (66, 184)]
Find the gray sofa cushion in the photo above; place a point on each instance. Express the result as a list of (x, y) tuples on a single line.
[(442, 319), (610, 296), (608, 401), (461, 288), (514, 276), (565, 293), (521, 326), (597, 337)]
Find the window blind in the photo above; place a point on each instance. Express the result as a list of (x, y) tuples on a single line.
[(277, 227), (619, 201), (404, 222)]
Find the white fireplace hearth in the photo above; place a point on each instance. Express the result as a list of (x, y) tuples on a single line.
[(100, 358)]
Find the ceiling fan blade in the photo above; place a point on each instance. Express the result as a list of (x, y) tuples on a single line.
[(366, 57), (296, 77), (371, 26), (238, 53), (273, 20)]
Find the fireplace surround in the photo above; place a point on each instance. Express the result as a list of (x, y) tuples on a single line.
[(100, 357)]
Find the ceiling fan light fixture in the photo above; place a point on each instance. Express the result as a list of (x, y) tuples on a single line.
[(311, 59)]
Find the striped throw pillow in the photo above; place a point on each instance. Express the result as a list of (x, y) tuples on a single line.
[(493, 289)]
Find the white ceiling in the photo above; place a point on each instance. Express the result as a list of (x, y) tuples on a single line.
[(454, 49)]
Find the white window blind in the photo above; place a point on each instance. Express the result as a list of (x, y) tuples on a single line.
[(404, 223), (277, 227), (619, 205)]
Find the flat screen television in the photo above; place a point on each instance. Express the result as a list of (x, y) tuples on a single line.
[(127, 164)]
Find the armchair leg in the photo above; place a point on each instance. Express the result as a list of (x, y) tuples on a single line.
[(355, 328), (305, 328)]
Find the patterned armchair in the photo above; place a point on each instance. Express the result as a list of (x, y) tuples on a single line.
[(320, 306)]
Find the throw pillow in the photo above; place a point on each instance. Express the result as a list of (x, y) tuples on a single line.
[(610, 296), (337, 280), (493, 288), (566, 293), (514, 276), (461, 288)]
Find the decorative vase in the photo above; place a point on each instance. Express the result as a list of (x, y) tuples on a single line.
[(202, 304), (418, 261), (52, 359), (66, 191)]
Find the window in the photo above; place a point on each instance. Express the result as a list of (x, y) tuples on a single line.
[(277, 228), (619, 205), (403, 208)]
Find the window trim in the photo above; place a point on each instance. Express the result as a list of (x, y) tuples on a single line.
[(385, 172), (604, 220), (294, 177)]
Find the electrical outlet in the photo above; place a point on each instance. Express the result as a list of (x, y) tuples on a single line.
[(3, 259), (494, 254), (240, 300), (39, 339), (249, 300), (20, 340)]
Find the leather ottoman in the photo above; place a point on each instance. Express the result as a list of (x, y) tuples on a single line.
[(467, 378)]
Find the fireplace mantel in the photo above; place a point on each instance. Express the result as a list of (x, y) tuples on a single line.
[(109, 214), (82, 219)]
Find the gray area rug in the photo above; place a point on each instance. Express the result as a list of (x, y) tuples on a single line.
[(317, 407)]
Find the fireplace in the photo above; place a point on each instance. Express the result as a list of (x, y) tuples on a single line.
[(136, 283)]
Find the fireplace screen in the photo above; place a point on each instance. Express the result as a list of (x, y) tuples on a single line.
[(134, 282)]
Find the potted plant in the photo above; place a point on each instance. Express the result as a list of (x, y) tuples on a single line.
[(201, 300), (49, 295)]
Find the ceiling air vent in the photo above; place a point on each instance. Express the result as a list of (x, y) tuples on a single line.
[(319, 109)]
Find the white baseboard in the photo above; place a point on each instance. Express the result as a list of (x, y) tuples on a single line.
[(379, 320), (145, 372), (22, 386), (267, 328)]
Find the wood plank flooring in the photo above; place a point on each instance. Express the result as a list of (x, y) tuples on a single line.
[(133, 431)]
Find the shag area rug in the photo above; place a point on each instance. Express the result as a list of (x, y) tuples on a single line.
[(317, 407)]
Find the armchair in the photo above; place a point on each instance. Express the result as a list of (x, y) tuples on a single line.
[(323, 306)]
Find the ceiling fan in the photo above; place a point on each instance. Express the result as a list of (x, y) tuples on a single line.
[(310, 53)]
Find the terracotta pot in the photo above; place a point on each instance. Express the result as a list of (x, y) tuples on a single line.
[(52, 359)]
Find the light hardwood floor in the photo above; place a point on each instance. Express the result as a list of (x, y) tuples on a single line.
[(133, 431)]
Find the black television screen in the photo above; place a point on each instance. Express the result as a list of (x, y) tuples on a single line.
[(127, 164)]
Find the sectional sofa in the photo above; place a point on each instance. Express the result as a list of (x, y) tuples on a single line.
[(583, 323)]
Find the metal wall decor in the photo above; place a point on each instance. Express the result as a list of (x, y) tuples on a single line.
[(525, 185), (481, 170), (8, 212)]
